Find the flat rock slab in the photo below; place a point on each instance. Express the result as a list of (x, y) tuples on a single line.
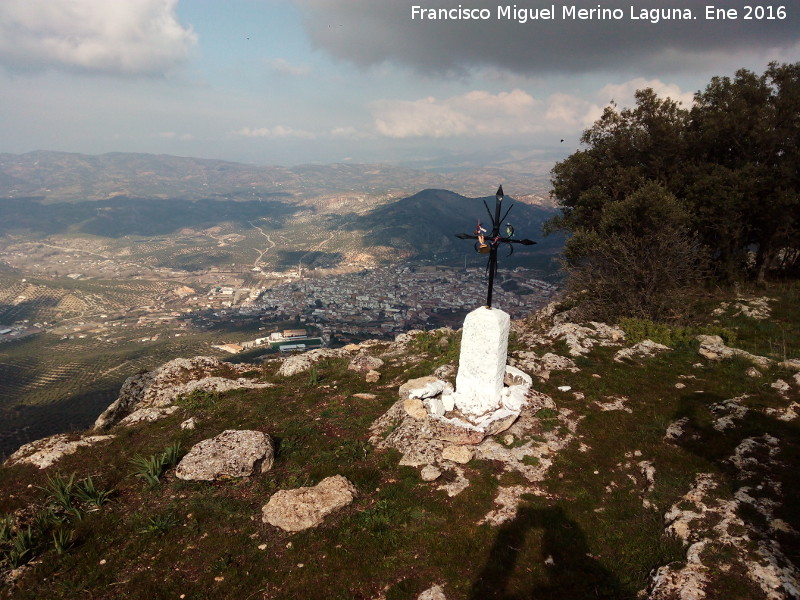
[(305, 507), (233, 453)]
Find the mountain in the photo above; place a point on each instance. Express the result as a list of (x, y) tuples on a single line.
[(71, 177), (424, 225)]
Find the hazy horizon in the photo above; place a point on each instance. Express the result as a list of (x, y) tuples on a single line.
[(280, 82)]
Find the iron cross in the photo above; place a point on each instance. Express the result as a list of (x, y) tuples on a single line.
[(488, 244)]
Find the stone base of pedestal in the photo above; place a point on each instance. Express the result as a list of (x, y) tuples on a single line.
[(443, 420)]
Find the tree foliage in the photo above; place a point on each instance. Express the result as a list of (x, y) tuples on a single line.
[(720, 181)]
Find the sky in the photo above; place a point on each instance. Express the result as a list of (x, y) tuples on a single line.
[(287, 82)]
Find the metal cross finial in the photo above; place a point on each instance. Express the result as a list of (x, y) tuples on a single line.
[(490, 244)]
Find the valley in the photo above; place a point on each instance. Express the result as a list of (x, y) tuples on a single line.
[(94, 291)]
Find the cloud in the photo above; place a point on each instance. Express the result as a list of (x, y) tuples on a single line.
[(622, 93), (371, 33), (130, 37), (281, 65), (277, 132), (172, 135), (481, 113)]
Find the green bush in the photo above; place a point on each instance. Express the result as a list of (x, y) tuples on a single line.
[(637, 330)]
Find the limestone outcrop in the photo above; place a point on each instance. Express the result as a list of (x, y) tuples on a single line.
[(300, 363), (305, 507), (643, 349), (159, 388), (233, 453), (47, 451)]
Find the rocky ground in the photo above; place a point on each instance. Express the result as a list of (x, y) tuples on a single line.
[(635, 468)]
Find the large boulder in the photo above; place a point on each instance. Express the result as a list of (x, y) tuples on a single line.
[(233, 453), (305, 507)]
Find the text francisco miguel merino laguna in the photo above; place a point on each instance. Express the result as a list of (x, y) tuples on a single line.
[(572, 12)]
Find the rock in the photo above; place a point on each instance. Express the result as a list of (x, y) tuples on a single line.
[(457, 454), (644, 349), (680, 386), (788, 413), (48, 451), (541, 366), (447, 371), (414, 408), (455, 431), (422, 387), (301, 363), (675, 429), (614, 403), (430, 473), (364, 363), (434, 406), (233, 453), (515, 397), (753, 372), (713, 348), (364, 396), (305, 507), (434, 593), (458, 485), (506, 503), (372, 377), (581, 339), (147, 415), (731, 411), (406, 434), (781, 386), (514, 376), (160, 387), (498, 421), (189, 424)]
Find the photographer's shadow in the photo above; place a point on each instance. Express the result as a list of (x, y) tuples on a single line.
[(573, 574)]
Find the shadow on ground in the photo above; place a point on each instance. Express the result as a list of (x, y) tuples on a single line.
[(573, 575)]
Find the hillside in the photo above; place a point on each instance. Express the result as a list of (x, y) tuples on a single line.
[(629, 474)]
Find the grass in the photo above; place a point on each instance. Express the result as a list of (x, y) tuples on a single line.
[(400, 536)]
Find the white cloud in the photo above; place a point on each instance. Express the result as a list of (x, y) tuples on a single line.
[(474, 113), (128, 37), (571, 112), (277, 132), (281, 65), (481, 113), (172, 135), (622, 93)]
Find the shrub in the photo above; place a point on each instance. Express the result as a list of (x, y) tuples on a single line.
[(637, 330)]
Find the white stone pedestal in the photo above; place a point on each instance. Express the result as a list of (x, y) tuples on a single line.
[(482, 363)]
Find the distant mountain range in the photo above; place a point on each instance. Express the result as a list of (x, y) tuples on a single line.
[(71, 177)]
